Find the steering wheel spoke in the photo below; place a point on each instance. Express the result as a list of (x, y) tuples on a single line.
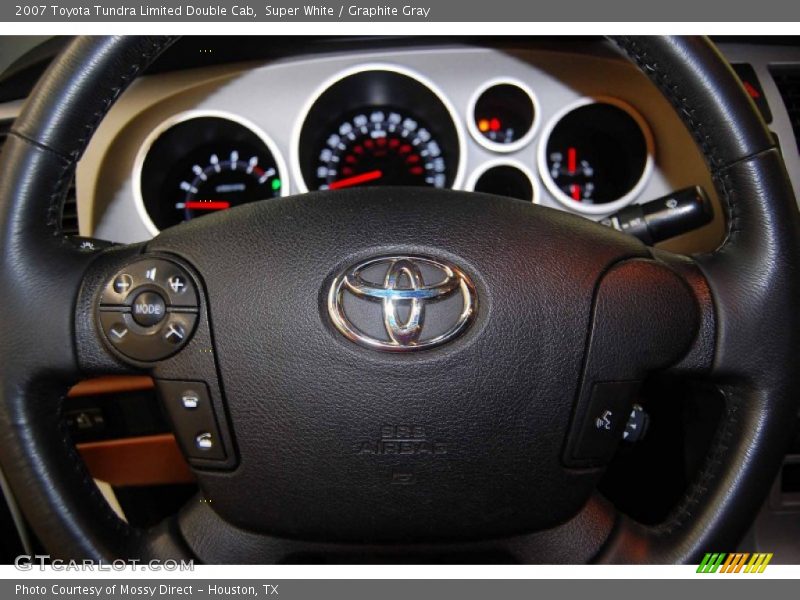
[(646, 317), (697, 361)]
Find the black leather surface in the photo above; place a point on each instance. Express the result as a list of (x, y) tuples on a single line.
[(754, 281), (66, 106), (304, 401), (645, 317), (753, 278), (41, 274), (576, 541), (706, 94)]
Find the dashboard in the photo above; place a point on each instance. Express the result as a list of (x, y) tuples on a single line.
[(574, 128)]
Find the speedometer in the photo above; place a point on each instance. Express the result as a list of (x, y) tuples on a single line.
[(379, 126), (380, 147)]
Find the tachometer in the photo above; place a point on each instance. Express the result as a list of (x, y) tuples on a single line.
[(380, 147), (220, 180), (196, 164)]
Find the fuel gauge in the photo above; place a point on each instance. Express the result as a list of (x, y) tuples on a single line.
[(572, 174), (596, 156)]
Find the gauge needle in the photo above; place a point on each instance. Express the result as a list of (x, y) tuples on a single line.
[(356, 179), (207, 204), (572, 160)]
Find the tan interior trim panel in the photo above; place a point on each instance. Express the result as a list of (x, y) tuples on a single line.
[(146, 460), (112, 384)]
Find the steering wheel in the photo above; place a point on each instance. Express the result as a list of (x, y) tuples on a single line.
[(396, 372)]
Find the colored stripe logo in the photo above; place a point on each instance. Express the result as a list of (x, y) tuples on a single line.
[(738, 562)]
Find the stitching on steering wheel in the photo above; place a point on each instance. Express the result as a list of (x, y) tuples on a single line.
[(710, 471), (71, 158), (156, 47), (55, 206), (86, 480), (686, 112), (670, 90), (721, 176)]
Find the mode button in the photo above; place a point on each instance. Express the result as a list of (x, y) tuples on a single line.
[(148, 309)]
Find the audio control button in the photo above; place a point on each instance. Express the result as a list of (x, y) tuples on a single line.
[(148, 309), (194, 421)]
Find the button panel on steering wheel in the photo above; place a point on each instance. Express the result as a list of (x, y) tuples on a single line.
[(148, 310)]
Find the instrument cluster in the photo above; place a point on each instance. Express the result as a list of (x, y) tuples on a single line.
[(386, 125)]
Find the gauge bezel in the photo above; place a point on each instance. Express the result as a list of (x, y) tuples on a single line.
[(188, 115), (297, 171), (505, 162), (481, 139), (609, 207)]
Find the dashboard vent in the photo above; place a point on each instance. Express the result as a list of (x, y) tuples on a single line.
[(69, 216), (787, 78), (5, 127)]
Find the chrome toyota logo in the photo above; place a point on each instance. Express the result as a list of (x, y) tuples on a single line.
[(401, 303)]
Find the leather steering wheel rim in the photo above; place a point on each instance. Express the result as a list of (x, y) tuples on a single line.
[(751, 284)]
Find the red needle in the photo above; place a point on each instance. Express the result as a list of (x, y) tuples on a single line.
[(572, 160), (356, 179), (207, 204), (575, 190)]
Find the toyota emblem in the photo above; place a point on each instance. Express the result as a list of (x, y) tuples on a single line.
[(401, 303)]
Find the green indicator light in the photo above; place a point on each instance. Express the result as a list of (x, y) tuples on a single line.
[(276, 184)]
